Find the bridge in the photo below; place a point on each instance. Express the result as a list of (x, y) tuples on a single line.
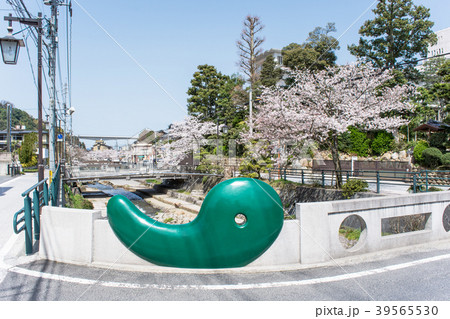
[(155, 174), (105, 138)]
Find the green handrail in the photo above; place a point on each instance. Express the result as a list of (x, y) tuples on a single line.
[(31, 209), (421, 180)]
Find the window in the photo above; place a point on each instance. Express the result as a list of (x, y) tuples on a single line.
[(280, 60)]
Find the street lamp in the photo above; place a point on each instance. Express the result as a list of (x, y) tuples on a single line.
[(71, 111), (10, 46), (10, 52), (223, 128), (10, 49)]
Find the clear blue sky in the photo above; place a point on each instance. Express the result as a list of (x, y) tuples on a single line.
[(112, 95)]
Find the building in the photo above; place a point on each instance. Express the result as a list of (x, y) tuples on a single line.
[(100, 145), (17, 135), (277, 56), (142, 152), (442, 47), (145, 148)]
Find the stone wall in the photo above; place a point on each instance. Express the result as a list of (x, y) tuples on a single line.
[(290, 194)]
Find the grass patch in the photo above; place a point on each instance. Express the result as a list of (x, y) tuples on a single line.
[(76, 200), (153, 181), (30, 170), (281, 182), (168, 220), (182, 191), (350, 233)]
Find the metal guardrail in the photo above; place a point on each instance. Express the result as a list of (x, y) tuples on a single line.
[(154, 174), (28, 217), (420, 181), (13, 170)]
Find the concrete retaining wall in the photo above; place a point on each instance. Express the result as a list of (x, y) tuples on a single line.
[(67, 234), (5, 160), (83, 237), (320, 223)]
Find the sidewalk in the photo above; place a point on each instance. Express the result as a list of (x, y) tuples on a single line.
[(11, 201), (4, 179)]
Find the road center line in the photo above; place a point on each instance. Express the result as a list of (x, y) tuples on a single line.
[(314, 281)]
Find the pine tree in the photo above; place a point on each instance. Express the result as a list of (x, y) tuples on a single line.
[(398, 34)]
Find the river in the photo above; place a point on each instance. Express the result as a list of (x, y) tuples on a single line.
[(110, 191)]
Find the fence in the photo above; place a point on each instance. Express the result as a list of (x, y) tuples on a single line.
[(419, 181), (13, 170), (28, 218)]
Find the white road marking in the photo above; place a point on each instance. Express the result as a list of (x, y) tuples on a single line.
[(239, 286), (5, 249)]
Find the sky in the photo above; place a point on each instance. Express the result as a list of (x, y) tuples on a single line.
[(132, 61)]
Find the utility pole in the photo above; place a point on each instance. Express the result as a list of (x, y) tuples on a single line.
[(53, 28), (40, 124), (8, 129), (36, 23)]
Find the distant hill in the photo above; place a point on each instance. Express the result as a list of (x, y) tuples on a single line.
[(18, 117)]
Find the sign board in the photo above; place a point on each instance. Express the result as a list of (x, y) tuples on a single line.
[(60, 137), (44, 153)]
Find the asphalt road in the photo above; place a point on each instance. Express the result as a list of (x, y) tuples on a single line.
[(412, 273), (420, 275)]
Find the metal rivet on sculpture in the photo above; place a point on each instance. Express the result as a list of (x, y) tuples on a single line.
[(239, 220)]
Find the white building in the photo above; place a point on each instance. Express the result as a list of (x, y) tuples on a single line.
[(277, 56), (142, 152), (442, 46)]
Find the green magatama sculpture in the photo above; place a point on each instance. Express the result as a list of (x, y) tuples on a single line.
[(239, 220)]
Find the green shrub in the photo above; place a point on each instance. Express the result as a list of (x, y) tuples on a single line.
[(350, 233), (418, 150), (382, 143), (360, 144), (446, 159), (411, 145), (439, 140), (431, 157), (354, 186)]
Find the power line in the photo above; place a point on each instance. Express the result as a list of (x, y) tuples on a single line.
[(69, 50)]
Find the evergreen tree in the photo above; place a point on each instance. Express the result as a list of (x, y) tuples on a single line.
[(27, 155), (206, 93), (214, 95), (270, 73), (398, 34), (316, 53), (18, 117)]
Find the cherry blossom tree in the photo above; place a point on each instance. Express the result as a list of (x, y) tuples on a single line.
[(323, 105), (185, 137), (80, 155)]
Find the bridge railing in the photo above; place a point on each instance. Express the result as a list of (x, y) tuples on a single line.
[(27, 218), (420, 181)]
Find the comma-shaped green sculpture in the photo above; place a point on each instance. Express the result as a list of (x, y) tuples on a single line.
[(239, 220)]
